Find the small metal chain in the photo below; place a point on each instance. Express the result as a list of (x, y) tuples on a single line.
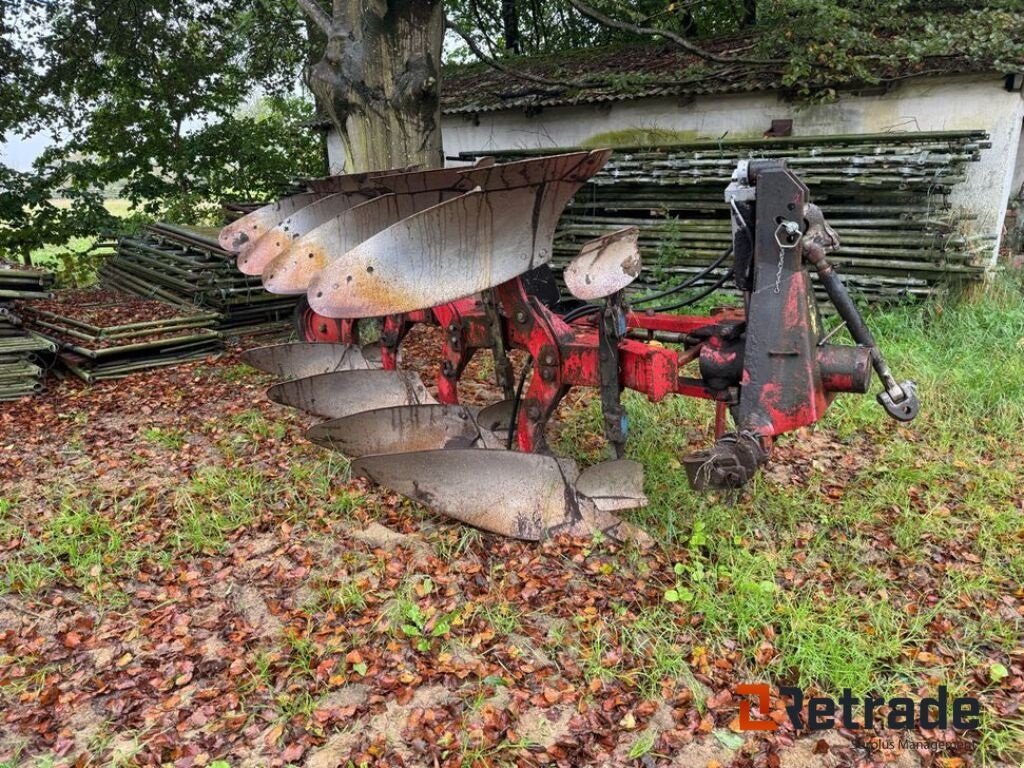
[(778, 272), (792, 228)]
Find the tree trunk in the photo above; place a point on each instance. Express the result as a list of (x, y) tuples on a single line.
[(749, 13), (510, 25), (379, 82)]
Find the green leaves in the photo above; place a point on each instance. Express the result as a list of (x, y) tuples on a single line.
[(422, 626), (998, 672), (679, 595), (152, 102), (728, 739)]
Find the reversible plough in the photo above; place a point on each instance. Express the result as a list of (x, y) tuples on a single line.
[(467, 249)]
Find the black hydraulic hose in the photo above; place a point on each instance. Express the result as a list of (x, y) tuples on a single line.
[(579, 312), (514, 419), (588, 309), (704, 272), (696, 297)]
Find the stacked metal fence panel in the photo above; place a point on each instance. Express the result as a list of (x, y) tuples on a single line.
[(19, 281), (107, 334), (24, 360), (887, 195), (24, 356), (186, 267)]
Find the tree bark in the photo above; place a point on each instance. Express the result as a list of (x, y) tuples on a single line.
[(749, 13), (510, 25), (378, 82)]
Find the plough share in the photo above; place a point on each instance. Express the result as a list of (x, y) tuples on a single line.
[(467, 250)]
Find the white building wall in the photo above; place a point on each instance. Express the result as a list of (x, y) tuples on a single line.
[(963, 102), (1018, 174)]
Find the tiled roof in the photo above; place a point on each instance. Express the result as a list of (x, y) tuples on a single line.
[(624, 72)]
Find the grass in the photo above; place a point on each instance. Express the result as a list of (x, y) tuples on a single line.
[(93, 541), (49, 256), (86, 543), (836, 579), (169, 438), (825, 570)]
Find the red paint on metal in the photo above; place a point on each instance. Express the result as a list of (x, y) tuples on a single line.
[(566, 356), (317, 328)]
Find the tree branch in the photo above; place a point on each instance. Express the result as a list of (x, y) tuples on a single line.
[(682, 42), (317, 14), (592, 83), (340, 18), (492, 62)]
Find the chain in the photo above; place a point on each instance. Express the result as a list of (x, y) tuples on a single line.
[(791, 228), (778, 272)]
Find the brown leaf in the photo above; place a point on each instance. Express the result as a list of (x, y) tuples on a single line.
[(719, 700), (273, 735), (292, 752)]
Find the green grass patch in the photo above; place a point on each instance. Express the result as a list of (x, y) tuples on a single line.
[(50, 256), (839, 575), (166, 437)]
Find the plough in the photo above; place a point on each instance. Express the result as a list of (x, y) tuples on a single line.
[(467, 250)]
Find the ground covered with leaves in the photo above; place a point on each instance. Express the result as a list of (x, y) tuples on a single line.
[(184, 581)]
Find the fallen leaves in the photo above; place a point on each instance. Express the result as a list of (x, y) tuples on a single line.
[(287, 634)]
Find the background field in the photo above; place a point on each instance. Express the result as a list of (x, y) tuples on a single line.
[(48, 257)]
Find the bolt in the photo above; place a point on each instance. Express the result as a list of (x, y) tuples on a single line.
[(549, 358), (520, 317), (447, 369), (533, 412), (547, 374)]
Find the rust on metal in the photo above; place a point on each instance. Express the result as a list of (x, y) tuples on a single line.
[(432, 180), (353, 182), (279, 239), (604, 265), (244, 232), (241, 235), (300, 359), (401, 429), (292, 271), (465, 245), (333, 395), (572, 168)]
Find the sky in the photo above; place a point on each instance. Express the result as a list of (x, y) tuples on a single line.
[(18, 153)]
